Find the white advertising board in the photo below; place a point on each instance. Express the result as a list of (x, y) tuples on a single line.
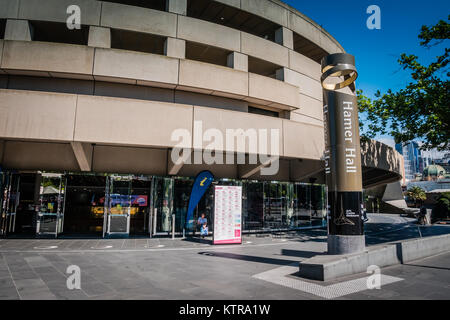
[(227, 214)]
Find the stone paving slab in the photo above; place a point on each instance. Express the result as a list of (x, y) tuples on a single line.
[(180, 269)]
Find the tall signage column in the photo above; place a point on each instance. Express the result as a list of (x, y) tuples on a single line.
[(342, 155)]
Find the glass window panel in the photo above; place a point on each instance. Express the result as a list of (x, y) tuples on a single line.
[(302, 204), (85, 204), (182, 193), (253, 206), (275, 205), (140, 205), (163, 204), (318, 202)]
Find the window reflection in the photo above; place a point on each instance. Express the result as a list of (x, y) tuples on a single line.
[(85, 204), (281, 205)]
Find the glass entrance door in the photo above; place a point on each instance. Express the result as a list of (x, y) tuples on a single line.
[(50, 216), (275, 205), (119, 205), (140, 205), (9, 201)]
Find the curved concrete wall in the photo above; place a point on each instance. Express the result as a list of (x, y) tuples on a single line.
[(56, 94), (382, 163), (298, 78)]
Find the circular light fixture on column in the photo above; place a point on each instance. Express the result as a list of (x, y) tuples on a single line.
[(338, 65)]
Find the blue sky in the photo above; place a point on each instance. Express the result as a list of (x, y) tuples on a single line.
[(377, 51)]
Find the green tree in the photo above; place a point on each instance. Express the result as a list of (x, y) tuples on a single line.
[(442, 208), (417, 194), (421, 110)]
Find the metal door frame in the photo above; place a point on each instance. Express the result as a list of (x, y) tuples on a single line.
[(108, 202), (150, 179), (8, 218), (59, 224), (155, 209)]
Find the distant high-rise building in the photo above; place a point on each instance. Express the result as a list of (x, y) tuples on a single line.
[(414, 163), (399, 148)]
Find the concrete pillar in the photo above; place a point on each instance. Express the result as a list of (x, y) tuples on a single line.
[(99, 37), (2, 148), (238, 61), (285, 37), (18, 30), (175, 48), (288, 76), (284, 74), (177, 6), (83, 155)]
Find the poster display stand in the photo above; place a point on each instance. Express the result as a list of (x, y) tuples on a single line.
[(227, 215)]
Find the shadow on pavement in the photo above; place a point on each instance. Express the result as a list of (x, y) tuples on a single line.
[(198, 240), (300, 253), (421, 266), (243, 257)]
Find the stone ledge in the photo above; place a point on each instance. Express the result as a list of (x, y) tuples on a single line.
[(329, 267)]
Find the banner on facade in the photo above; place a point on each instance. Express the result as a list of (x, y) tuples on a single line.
[(227, 215), (201, 184)]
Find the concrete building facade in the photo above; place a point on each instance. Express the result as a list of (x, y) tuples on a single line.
[(88, 112)]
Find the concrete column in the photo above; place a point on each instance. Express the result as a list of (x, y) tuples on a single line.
[(177, 6), (288, 76), (83, 155), (285, 37), (99, 37), (18, 30), (175, 48), (283, 74), (2, 148), (238, 61)]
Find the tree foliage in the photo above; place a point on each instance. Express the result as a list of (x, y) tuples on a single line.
[(417, 194), (421, 110), (442, 208)]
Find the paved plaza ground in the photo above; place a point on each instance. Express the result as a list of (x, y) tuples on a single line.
[(183, 269)]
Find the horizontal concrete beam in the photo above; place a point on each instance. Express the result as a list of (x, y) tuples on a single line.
[(56, 10), (44, 58), (265, 50), (208, 33), (129, 67), (138, 19), (329, 267)]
